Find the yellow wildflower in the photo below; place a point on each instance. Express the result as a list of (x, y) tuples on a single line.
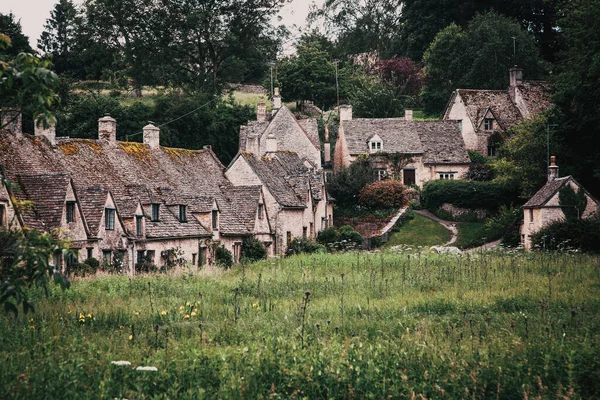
[(163, 313), (193, 313), (130, 337), (186, 316), (187, 304), (121, 327), (181, 307), (89, 315)]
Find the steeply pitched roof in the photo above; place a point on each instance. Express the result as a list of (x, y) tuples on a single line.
[(244, 199), (92, 200), (536, 96), (47, 192), (546, 192), (478, 102), (442, 142), (398, 135), (311, 128), (169, 226)]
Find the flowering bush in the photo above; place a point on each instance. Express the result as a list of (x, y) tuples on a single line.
[(383, 194)]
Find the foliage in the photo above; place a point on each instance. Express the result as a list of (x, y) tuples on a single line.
[(576, 92), (346, 238), (173, 258), (328, 235), (478, 57), (223, 257), (145, 265), (506, 224), (10, 27), (24, 264), (570, 234), (467, 194), (93, 263), (572, 203), (383, 194), (347, 234), (418, 231), (345, 185), (477, 158), (372, 97), (303, 245), (253, 250), (80, 269), (402, 72), (472, 234), (522, 159), (480, 172)]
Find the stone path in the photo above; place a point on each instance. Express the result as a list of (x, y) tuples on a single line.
[(449, 225)]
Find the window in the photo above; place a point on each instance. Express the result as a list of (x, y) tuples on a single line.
[(109, 219), (138, 225), (215, 217), (260, 211), (381, 174), (150, 256), (194, 256), (376, 146), (312, 229), (491, 151), (90, 252), (182, 213), (488, 124), (447, 175), (70, 211), (140, 256), (409, 177), (106, 254), (460, 125), (70, 260), (531, 215), (155, 211), (289, 237), (304, 232)]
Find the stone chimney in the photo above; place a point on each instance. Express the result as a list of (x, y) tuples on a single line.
[(345, 113), (271, 143), (276, 99), (408, 115), (552, 169), (41, 131), (261, 111), (252, 144), (516, 76), (152, 136), (107, 129), (327, 146), (12, 120)]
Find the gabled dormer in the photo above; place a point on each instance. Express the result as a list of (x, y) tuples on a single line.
[(214, 218), (375, 144), (489, 122)]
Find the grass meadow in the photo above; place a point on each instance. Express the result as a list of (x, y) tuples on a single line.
[(357, 325)]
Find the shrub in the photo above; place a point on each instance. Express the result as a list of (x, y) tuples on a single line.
[(328, 235), (253, 250), (223, 257), (579, 234), (80, 269), (301, 245), (383, 194), (468, 194), (145, 265), (480, 173), (477, 158), (345, 185), (93, 263), (173, 258), (505, 225)]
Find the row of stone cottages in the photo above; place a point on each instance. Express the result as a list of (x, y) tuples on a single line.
[(142, 201)]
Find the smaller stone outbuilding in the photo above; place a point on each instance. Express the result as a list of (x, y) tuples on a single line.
[(544, 207)]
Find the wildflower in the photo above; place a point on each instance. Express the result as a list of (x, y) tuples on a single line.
[(186, 316), (120, 363), (181, 307), (130, 337), (254, 305), (121, 326), (89, 315), (69, 312), (163, 313), (187, 304), (137, 313), (147, 368)]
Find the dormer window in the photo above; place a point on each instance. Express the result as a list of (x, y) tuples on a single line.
[(155, 211), (109, 219), (260, 211), (182, 213), (488, 124), (70, 211), (375, 146), (215, 220), (138, 225)]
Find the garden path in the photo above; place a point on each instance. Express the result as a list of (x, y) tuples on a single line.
[(451, 226)]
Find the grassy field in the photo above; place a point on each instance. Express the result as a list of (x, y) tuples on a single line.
[(353, 325), (420, 231), (470, 234)]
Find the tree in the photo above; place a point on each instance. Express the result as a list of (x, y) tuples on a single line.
[(401, 72), (576, 87), (345, 186), (573, 203), (59, 38), (478, 58), (372, 97), (12, 29)]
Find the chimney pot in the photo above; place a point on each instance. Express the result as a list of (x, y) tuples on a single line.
[(261, 111), (152, 136), (345, 113), (49, 132), (408, 115), (107, 129), (552, 169), (516, 76), (276, 99), (12, 120), (252, 144)]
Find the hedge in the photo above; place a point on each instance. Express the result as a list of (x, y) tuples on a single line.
[(468, 194), (579, 234)]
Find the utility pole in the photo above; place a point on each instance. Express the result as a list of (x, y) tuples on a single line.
[(337, 86), (272, 64), (514, 38), (548, 143)]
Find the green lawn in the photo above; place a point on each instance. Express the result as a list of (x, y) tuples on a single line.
[(471, 234), (355, 325), (420, 231)]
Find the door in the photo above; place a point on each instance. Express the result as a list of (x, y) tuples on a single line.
[(409, 176)]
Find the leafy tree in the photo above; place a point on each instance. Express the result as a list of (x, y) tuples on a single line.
[(303, 245), (572, 203), (401, 72), (372, 97), (345, 185), (12, 28), (223, 257), (59, 38), (478, 57), (506, 225), (576, 87), (253, 250)]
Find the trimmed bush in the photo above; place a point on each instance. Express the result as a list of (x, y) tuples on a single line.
[(468, 194), (253, 250), (383, 194), (223, 257), (329, 235), (577, 234), (300, 245)]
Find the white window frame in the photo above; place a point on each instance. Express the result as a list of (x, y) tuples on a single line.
[(375, 146), (488, 124), (447, 175)]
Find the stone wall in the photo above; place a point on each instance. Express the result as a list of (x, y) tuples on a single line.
[(459, 213)]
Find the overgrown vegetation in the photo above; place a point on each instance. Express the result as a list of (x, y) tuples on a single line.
[(377, 325), (468, 194), (570, 234)]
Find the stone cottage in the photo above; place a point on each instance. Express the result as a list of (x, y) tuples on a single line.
[(126, 202), (544, 207), (484, 115), (430, 149)]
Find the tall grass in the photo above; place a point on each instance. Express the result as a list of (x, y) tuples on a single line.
[(499, 325)]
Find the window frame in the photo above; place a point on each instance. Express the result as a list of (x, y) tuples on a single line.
[(488, 124), (215, 220), (261, 210), (375, 146), (155, 210), (109, 218), (2, 214), (447, 176), (138, 225), (70, 212), (491, 150), (183, 213)]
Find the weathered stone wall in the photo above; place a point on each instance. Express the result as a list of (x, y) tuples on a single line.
[(458, 212)]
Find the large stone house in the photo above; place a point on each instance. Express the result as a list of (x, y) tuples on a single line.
[(282, 155), (430, 149), (483, 113), (544, 207), (127, 201)]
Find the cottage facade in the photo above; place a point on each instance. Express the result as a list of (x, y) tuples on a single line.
[(544, 207), (431, 149), (483, 113)]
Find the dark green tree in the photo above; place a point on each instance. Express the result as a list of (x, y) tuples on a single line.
[(345, 185), (10, 27), (573, 203)]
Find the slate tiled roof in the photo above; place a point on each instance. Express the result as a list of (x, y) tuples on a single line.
[(478, 102), (442, 143), (244, 199), (169, 225), (47, 192), (536, 95), (398, 135), (312, 130), (130, 171), (546, 192), (92, 200)]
